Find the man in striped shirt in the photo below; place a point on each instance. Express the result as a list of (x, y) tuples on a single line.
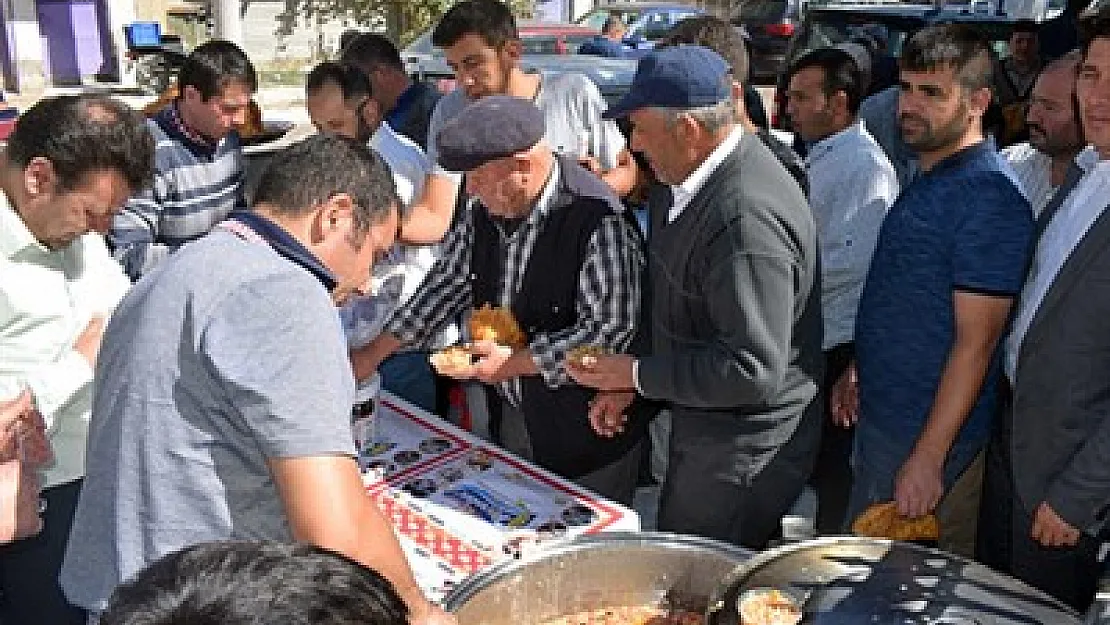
[(1055, 136), (198, 176)]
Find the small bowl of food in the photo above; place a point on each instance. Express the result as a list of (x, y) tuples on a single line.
[(585, 356), (454, 362), (768, 606)]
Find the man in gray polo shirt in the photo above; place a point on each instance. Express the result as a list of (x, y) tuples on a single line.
[(223, 390)]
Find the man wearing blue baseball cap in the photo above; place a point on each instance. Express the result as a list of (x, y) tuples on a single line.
[(736, 347)]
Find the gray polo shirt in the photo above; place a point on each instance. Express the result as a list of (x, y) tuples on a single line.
[(225, 356), (572, 108)]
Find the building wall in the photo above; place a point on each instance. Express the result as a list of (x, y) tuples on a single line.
[(24, 44), (308, 40)]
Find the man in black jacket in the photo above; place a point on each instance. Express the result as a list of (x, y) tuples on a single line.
[(736, 322), (548, 240)]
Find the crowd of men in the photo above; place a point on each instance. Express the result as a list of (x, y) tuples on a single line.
[(905, 306)]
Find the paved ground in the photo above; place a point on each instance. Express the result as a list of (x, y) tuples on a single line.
[(278, 103)]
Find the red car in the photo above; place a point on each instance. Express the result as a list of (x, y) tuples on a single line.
[(537, 37)]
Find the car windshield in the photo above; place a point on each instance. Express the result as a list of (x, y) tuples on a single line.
[(596, 19), (830, 28), (760, 11)]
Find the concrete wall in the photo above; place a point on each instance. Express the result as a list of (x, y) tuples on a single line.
[(24, 43)]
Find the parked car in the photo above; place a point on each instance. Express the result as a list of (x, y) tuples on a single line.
[(537, 37), (613, 77), (768, 26), (829, 24), (646, 21)]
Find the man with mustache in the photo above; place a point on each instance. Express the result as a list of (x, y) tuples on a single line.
[(948, 264), (1055, 137)]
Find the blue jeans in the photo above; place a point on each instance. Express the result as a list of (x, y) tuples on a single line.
[(408, 375), (876, 459)]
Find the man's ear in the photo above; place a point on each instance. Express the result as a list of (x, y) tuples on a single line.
[(513, 49), (371, 113), (39, 177), (737, 89), (980, 100), (189, 93), (335, 217)]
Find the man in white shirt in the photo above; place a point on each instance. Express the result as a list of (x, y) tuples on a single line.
[(338, 98), (852, 185), (1047, 482), (1055, 137), (70, 165)]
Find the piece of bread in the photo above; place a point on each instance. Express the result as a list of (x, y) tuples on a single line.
[(451, 361), (882, 520), (497, 325)]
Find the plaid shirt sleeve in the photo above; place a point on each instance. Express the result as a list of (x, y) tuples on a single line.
[(608, 304), (444, 293)]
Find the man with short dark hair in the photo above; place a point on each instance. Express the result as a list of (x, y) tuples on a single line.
[(1048, 465), (483, 47), (407, 104), (610, 42), (1014, 77), (853, 186), (69, 166), (338, 98), (1055, 136), (547, 240), (198, 162), (1013, 82), (736, 316), (948, 264), (235, 583), (224, 377)]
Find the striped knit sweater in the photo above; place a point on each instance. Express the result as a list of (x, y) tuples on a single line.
[(195, 186)]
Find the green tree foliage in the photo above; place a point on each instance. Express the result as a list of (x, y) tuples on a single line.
[(404, 20)]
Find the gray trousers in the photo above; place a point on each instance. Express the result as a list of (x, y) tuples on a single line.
[(615, 481)]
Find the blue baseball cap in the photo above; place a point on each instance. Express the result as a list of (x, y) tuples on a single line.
[(676, 77)]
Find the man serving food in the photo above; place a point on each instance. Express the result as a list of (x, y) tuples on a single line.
[(550, 262)]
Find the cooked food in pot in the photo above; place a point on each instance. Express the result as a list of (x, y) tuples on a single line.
[(768, 606), (585, 356), (629, 615)]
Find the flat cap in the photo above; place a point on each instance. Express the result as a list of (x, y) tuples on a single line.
[(489, 128), (676, 77)]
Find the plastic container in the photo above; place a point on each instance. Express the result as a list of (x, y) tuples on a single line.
[(364, 421), (143, 34)]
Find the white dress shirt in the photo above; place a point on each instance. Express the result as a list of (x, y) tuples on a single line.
[(1064, 232), (396, 277), (47, 298), (1034, 174), (687, 189), (852, 186)]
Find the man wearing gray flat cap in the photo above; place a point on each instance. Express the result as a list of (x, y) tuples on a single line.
[(549, 241), (736, 322)]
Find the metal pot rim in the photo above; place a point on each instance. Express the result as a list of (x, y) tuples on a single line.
[(487, 577)]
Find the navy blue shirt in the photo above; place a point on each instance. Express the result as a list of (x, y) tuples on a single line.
[(601, 45), (962, 226)]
